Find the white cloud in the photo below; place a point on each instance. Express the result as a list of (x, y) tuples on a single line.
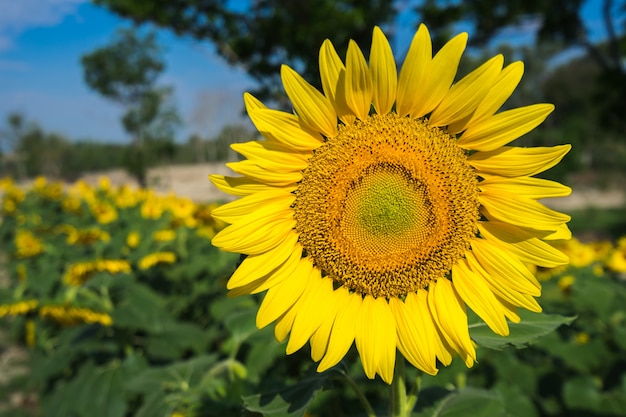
[(20, 15)]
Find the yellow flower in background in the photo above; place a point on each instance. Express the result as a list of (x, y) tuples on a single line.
[(152, 208), (565, 282), (156, 258), (388, 204), (6, 183), (80, 272), (19, 308), (181, 207), (71, 204), (133, 239), (125, 197), (164, 235), (27, 245), (104, 212), (616, 261), (71, 316), (104, 184), (87, 236)]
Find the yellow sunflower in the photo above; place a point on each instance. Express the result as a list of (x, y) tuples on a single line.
[(387, 204)]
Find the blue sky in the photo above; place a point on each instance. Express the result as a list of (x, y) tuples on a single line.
[(42, 41)]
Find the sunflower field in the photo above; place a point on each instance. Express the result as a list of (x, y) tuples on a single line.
[(119, 299)]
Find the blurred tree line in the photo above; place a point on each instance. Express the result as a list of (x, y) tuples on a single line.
[(30, 151)]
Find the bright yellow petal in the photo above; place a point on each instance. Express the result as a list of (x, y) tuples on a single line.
[(286, 129), (518, 162), (271, 279), (451, 317), (272, 156), (255, 236), (501, 288), (384, 73), (231, 212), (502, 89), (465, 96), (342, 333), (333, 75), (418, 303), (359, 89), (522, 244), (268, 176), (415, 342), (257, 266), (312, 107), (284, 324), (321, 337), (520, 211), (310, 316), (476, 294), (440, 75), (414, 72), (375, 336), (252, 103), (506, 266), (498, 130), (242, 186), (535, 188), (283, 296)]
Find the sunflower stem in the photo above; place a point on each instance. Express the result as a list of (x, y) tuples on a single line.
[(398, 406), (366, 404), (415, 391)]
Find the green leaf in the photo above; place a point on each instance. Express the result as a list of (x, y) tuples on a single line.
[(96, 391), (582, 393), (289, 402), (531, 326), (467, 402), (142, 308), (178, 376), (175, 339)]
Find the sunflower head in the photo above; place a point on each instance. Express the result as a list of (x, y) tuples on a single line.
[(388, 203)]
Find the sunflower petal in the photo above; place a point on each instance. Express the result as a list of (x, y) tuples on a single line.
[(333, 74), (231, 212), (254, 236), (242, 186), (499, 263), (312, 107), (451, 317), (465, 96), (521, 243), (414, 72), (440, 75), (415, 341), (264, 174), (310, 316), (343, 331), (257, 266), (359, 88), (521, 211), (502, 128), (375, 336), (535, 188), (283, 296), (384, 73), (286, 129), (502, 89), (518, 162), (476, 294)]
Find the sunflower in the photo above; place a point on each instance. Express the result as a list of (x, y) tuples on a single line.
[(382, 208)]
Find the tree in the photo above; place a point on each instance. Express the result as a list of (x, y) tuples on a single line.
[(268, 33), (126, 72)]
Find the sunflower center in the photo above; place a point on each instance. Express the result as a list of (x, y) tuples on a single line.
[(387, 206)]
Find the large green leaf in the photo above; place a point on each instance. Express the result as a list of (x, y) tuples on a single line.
[(532, 326), (96, 391), (467, 402), (141, 309), (289, 402)]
